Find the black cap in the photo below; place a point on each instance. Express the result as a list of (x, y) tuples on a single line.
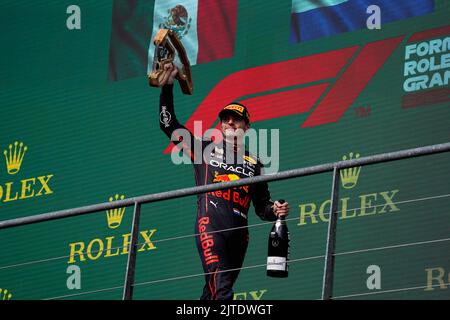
[(236, 108)]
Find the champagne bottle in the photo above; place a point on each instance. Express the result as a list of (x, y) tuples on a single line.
[(278, 249)]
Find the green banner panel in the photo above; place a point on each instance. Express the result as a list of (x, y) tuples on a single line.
[(80, 126)]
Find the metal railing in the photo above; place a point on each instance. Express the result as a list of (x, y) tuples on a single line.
[(335, 167)]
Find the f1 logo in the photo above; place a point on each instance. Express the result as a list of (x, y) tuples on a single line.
[(334, 78)]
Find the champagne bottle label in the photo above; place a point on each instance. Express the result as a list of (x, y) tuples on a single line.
[(276, 263)]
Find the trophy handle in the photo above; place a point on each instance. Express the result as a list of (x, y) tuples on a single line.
[(167, 45)]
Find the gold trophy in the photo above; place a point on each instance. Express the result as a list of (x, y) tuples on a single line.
[(167, 48)]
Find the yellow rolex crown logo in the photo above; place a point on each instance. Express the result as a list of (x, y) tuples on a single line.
[(114, 216), (14, 157), (349, 177), (4, 294)]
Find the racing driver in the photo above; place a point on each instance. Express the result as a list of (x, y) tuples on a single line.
[(221, 222)]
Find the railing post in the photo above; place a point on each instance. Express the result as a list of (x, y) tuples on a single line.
[(328, 274), (131, 263)]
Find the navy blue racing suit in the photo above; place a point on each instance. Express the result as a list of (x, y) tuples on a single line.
[(219, 250)]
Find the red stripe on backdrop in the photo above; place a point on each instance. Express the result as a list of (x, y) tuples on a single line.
[(284, 103), (272, 76), (352, 82), (216, 27), (429, 34), (427, 97)]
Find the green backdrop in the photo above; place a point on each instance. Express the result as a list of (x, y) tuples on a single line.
[(89, 138)]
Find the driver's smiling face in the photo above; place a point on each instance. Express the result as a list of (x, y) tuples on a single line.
[(231, 122)]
